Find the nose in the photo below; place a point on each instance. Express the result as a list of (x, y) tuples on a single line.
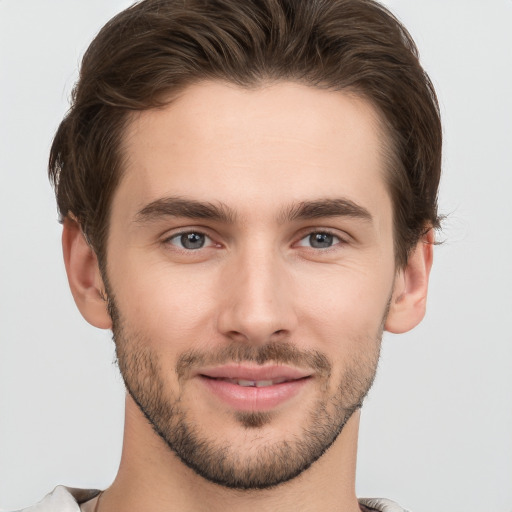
[(258, 299)]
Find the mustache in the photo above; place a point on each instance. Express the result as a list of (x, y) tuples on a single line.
[(272, 352)]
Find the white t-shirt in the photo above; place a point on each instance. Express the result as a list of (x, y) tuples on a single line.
[(66, 499)]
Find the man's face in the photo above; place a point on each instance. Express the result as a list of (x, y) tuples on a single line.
[(250, 267)]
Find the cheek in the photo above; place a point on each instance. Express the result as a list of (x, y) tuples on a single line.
[(169, 307), (345, 306)]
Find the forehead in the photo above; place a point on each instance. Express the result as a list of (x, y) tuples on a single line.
[(263, 147)]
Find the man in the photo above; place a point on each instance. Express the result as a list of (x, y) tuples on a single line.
[(248, 194)]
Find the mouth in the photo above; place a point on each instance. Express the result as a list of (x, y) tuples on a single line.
[(254, 383), (253, 388)]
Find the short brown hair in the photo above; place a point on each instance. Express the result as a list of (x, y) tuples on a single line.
[(159, 46)]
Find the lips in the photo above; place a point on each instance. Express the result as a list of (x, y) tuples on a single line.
[(254, 373), (253, 388), (255, 383)]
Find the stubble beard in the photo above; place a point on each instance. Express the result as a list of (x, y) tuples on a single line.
[(273, 462)]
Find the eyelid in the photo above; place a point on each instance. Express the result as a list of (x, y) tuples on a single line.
[(184, 229), (168, 236), (344, 237)]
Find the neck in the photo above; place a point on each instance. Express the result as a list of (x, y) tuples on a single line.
[(152, 477)]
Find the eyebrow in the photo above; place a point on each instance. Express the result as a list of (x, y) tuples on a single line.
[(305, 210), (322, 208), (189, 208)]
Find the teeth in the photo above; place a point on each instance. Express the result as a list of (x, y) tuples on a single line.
[(245, 383), (263, 383), (255, 383)]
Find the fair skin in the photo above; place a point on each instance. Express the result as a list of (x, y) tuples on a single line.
[(298, 253)]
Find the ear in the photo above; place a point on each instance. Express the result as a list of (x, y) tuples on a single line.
[(84, 275), (409, 299)]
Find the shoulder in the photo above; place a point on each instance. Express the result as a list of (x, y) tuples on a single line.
[(380, 505), (62, 499)]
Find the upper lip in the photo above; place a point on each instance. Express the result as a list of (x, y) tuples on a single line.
[(254, 373)]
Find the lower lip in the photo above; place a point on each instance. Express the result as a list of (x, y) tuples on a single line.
[(252, 398)]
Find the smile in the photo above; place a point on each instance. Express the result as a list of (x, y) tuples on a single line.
[(255, 383), (253, 388)]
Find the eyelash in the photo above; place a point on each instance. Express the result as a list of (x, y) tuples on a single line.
[(180, 235), (323, 232), (309, 234)]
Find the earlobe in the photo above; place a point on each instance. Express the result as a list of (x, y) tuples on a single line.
[(409, 299), (84, 275)]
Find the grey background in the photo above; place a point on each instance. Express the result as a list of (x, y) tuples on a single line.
[(437, 429)]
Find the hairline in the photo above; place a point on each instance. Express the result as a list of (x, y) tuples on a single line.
[(387, 145)]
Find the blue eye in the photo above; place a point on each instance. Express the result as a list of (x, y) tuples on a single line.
[(190, 241), (319, 240)]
